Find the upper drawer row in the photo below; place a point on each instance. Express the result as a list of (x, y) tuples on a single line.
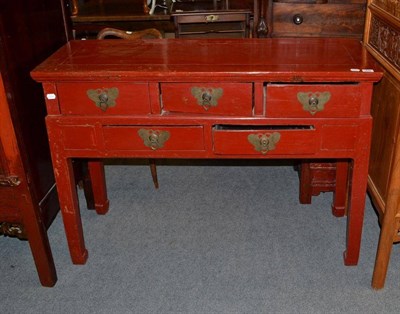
[(229, 99)]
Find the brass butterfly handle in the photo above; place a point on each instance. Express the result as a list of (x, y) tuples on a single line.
[(207, 97), (264, 142), (154, 139), (211, 18), (103, 97), (313, 102)]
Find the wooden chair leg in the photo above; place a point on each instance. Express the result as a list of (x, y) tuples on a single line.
[(153, 169)]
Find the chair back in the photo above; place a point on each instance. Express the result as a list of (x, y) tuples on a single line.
[(118, 33)]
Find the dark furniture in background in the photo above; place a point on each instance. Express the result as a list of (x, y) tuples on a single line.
[(210, 19), (324, 18), (88, 17), (382, 38), (29, 32), (268, 18)]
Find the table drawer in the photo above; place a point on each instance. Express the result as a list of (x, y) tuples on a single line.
[(210, 17), (103, 98), (153, 138), (327, 19), (233, 99), (264, 140), (313, 100)]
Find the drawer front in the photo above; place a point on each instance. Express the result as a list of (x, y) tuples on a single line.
[(305, 101), (154, 138), (290, 19), (234, 99), (210, 17), (103, 98), (265, 141)]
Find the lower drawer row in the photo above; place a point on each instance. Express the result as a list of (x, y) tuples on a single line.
[(224, 139)]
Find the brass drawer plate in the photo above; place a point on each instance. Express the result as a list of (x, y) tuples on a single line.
[(103, 98), (153, 138), (264, 140), (232, 99), (313, 100)]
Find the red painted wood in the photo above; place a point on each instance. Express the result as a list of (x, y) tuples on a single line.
[(343, 102), (236, 98), (194, 60), (131, 99), (291, 141), (17, 204), (123, 138), (29, 32), (97, 175), (339, 205), (172, 67)]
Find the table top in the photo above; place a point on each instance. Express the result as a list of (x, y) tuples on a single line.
[(272, 59)]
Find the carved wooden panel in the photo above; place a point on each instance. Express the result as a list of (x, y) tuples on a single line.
[(390, 6), (385, 107), (386, 40)]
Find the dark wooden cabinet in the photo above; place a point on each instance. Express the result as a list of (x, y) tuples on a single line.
[(332, 18), (212, 19), (90, 16), (29, 32), (310, 18), (265, 18), (382, 38)]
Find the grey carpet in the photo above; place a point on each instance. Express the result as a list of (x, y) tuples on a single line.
[(222, 238)]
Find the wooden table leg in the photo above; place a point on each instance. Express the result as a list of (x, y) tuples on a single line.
[(68, 199), (340, 193), (98, 182), (355, 215), (305, 180), (358, 193)]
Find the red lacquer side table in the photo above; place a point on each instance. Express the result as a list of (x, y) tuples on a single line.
[(200, 98)]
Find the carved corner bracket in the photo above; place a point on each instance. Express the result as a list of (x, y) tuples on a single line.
[(9, 181), (13, 230)]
